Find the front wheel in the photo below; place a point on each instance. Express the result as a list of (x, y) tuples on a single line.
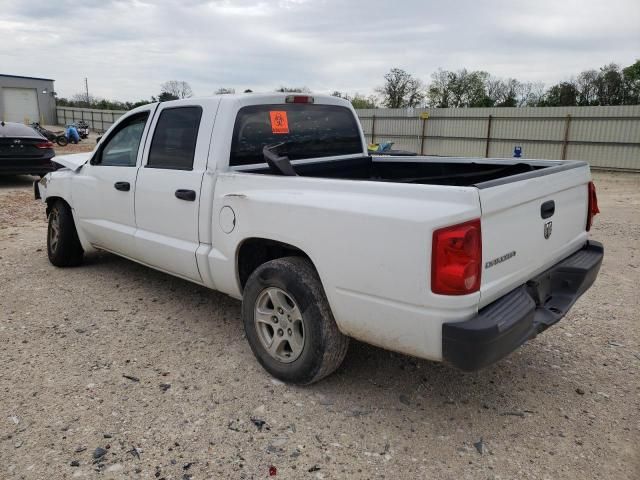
[(63, 245), (289, 324), (62, 140)]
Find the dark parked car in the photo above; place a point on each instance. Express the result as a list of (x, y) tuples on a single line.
[(24, 151)]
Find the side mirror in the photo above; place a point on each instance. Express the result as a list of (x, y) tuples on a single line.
[(98, 139)]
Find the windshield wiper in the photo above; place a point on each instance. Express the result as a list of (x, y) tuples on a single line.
[(279, 164)]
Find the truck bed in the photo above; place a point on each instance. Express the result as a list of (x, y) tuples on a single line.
[(427, 170), (518, 200)]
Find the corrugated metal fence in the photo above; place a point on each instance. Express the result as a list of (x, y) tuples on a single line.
[(607, 137), (98, 120)]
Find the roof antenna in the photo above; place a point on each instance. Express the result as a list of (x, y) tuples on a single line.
[(2, 123)]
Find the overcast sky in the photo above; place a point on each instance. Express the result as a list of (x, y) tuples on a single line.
[(127, 48)]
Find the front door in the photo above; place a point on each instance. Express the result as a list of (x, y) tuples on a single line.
[(103, 190), (167, 197)]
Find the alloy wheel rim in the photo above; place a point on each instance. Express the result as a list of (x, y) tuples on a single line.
[(54, 231), (279, 324)]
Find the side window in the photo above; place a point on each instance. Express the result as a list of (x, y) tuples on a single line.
[(174, 141), (121, 148)]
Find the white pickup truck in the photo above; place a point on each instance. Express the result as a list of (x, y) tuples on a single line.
[(273, 199)]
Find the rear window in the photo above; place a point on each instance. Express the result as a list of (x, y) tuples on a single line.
[(307, 131), (174, 141), (11, 129)]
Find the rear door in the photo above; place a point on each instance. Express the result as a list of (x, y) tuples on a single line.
[(529, 225), (167, 198)]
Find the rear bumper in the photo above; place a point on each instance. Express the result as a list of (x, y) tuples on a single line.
[(27, 166), (504, 325)]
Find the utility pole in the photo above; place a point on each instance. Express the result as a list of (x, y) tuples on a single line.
[(86, 89)]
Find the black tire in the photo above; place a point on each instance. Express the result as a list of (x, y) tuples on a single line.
[(324, 346), (62, 140), (63, 245)]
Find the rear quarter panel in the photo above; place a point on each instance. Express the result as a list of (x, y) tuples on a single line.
[(369, 241)]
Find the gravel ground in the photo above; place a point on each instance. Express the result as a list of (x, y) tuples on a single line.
[(155, 371)]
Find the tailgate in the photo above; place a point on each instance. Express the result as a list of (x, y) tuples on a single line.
[(517, 242)]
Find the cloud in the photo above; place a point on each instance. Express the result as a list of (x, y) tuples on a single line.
[(127, 48)]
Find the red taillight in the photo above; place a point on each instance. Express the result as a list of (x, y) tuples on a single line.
[(44, 145), (299, 99), (592, 209), (456, 259)]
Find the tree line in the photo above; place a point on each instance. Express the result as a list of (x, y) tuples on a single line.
[(171, 90), (608, 85)]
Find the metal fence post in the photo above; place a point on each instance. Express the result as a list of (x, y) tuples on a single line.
[(486, 148), (373, 128), (565, 141), (423, 137)]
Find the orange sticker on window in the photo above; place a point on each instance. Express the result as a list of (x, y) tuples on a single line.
[(279, 122)]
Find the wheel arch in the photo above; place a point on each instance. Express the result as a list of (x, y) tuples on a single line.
[(53, 199), (50, 200), (255, 251)]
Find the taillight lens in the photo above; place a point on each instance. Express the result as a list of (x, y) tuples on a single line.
[(592, 209), (456, 259), (44, 145)]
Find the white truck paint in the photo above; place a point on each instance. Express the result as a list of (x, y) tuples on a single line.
[(370, 241)]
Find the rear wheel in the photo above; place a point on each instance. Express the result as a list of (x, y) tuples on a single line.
[(289, 324), (63, 245), (62, 140)]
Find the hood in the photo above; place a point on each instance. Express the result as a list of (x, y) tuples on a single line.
[(73, 161)]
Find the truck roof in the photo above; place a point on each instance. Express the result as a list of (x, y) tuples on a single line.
[(263, 98)]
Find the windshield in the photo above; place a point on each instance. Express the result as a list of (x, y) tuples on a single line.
[(304, 130)]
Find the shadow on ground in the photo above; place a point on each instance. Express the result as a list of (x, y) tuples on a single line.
[(388, 377), (16, 181)]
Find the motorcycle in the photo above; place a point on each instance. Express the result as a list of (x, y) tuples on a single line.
[(58, 137), (83, 128)]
